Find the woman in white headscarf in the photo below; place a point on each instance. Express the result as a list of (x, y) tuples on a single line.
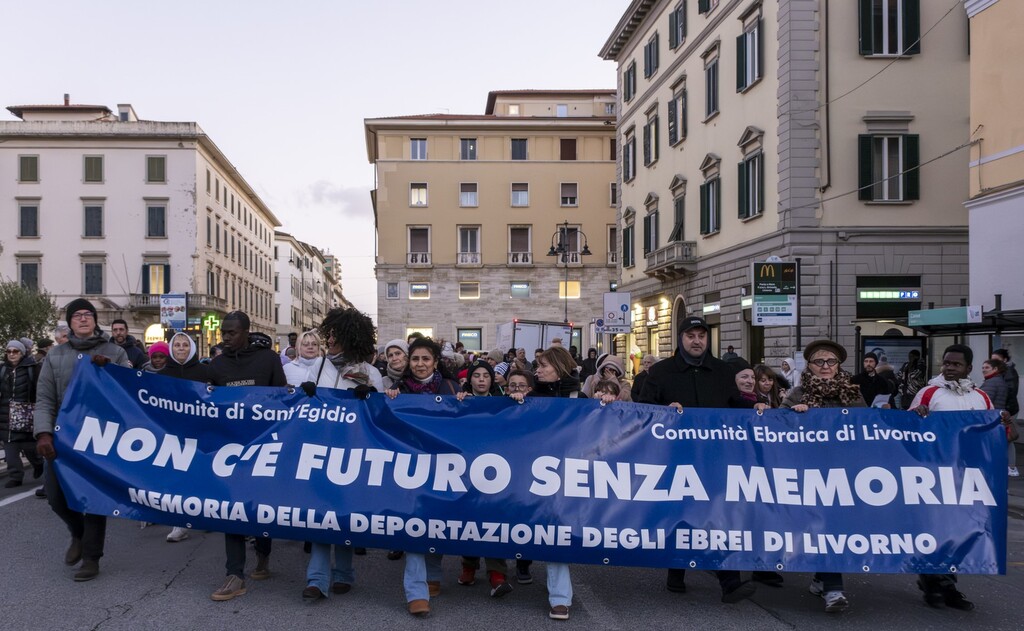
[(790, 375)]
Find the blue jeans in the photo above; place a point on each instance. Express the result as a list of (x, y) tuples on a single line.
[(420, 568), (559, 584), (319, 568)]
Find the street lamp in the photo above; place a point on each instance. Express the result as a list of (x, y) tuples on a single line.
[(561, 246)]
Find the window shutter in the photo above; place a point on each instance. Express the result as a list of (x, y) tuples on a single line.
[(673, 133), (655, 145), (912, 27), (704, 208), (678, 205), (145, 279), (682, 31), (760, 184), (167, 279), (647, 144), (673, 22), (741, 61), (686, 108), (760, 47), (911, 160), (703, 6), (718, 205), (865, 167), (867, 42), (647, 235), (744, 203)]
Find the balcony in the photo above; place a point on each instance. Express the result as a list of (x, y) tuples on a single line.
[(468, 259), (613, 259), (672, 261), (520, 259), (574, 259), (418, 259), (197, 302)]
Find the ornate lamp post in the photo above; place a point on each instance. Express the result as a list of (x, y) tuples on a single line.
[(562, 246)]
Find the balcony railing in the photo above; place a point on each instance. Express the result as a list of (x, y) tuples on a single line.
[(418, 259), (613, 259), (203, 302), (468, 258), (673, 260), (574, 259), (520, 258)]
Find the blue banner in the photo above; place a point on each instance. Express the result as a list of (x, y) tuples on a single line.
[(567, 480)]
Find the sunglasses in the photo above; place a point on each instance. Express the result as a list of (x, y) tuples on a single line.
[(13, 351)]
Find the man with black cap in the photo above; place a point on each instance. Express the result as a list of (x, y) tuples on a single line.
[(871, 383), (88, 532), (247, 360), (693, 378)]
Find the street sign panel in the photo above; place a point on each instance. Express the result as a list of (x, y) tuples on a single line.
[(617, 317), (949, 315), (776, 293)]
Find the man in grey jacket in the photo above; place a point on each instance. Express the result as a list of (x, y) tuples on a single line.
[(87, 531)]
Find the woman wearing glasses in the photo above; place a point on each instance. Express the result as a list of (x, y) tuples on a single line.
[(18, 376), (824, 384)]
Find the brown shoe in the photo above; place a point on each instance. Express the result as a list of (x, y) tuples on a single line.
[(90, 569), (312, 594), (262, 570), (419, 607), (341, 588), (434, 588), (233, 586), (74, 553), (559, 612)]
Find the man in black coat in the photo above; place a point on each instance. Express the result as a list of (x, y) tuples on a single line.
[(247, 360), (693, 378)]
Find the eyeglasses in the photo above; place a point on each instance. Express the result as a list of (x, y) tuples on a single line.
[(821, 363), (13, 351), (515, 387), (81, 315)]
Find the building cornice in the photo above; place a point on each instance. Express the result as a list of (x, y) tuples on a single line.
[(626, 28), (974, 7)]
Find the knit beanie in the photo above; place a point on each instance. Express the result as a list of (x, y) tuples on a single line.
[(159, 347), (78, 304), (16, 344), (402, 344)]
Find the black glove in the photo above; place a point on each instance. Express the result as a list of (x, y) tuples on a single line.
[(309, 388), (362, 391), (100, 360)]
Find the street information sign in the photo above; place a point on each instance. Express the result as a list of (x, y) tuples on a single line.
[(617, 318), (775, 293)]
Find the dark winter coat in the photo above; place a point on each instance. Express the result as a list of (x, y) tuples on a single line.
[(563, 388), (997, 390), (254, 365), (17, 383), (872, 385), (673, 380), (136, 355)]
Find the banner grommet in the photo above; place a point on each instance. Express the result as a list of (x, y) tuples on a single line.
[(866, 569), (116, 512), (845, 411), (437, 399), (432, 550), (693, 564), (606, 560), (952, 569), (56, 428), (779, 566)]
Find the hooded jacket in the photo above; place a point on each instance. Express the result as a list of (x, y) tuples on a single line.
[(256, 364), (605, 361), (55, 374), (136, 355), (712, 384), (191, 368), (941, 395)]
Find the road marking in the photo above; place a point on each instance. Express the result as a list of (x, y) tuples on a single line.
[(14, 498)]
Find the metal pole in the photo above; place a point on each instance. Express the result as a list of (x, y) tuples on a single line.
[(799, 305)]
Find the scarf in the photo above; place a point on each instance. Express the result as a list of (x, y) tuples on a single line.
[(749, 396), (960, 388), (352, 372), (817, 392), (395, 375), (430, 386)]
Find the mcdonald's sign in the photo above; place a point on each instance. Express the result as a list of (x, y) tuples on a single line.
[(773, 279)]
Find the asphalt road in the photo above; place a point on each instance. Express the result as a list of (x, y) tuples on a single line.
[(147, 583)]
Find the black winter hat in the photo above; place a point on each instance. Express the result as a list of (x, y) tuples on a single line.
[(76, 305)]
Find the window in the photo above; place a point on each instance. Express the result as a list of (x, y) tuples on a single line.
[(678, 217), (207, 181), (570, 290), (467, 194), (629, 158), (651, 56), (567, 149), (217, 234), (93, 168), (627, 246), (216, 189), (520, 195), (419, 246), (568, 196), (28, 274), (613, 194), (711, 88), (92, 283), (513, 109), (751, 186), (28, 220), (470, 338), (418, 194), (710, 202), (467, 149), (519, 289), (651, 138), (890, 27), (469, 245), (706, 6), (611, 149), (561, 110), (519, 149), (209, 231), (156, 278), (419, 291), (629, 82), (651, 231), (417, 148), (888, 167), (28, 169), (156, 221), (93, 221), (748, 56), (519, 250), (613, 244), (469, 291), (156, 169), (609, 109), (677, 117), (392, 291), (677, 25)]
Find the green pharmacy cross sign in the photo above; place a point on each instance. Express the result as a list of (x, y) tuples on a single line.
[(211, 323)]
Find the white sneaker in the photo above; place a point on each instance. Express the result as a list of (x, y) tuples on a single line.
[(1014, 473), (177, 534), (835, 601)]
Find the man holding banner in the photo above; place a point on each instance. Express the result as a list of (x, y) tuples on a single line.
[(693, 378), (247, 360), (88, 532)]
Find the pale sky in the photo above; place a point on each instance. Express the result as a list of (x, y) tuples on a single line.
[(283, 88)]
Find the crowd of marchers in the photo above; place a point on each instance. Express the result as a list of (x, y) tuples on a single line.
[(342, 353)]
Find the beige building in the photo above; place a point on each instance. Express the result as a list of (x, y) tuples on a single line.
[(813, 131), (303, 286), (103, 204), (468, 208)]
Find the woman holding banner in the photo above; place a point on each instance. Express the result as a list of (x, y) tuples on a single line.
[(824, 384), (305, 365)]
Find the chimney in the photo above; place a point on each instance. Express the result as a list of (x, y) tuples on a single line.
[(67, 99)]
